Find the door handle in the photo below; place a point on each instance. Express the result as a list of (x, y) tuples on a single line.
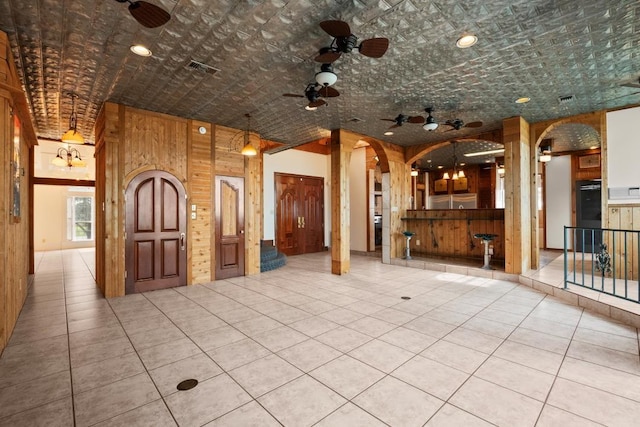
[(182, 238), (299, 222), (302, 222)]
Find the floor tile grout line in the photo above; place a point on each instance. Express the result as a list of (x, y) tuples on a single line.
[(64, 286)]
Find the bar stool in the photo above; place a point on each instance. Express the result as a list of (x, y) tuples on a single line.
[(408, 235), (486, 239)]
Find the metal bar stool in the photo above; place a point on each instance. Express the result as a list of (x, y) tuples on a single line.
[(486, 239), (408, 235)]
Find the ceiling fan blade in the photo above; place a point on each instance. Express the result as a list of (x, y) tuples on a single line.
[(416, 119), (293, 95), (328, 92), (394, 126), (327, 57), (336, 28), (374, 48), (149, 15), (473, 125), (388, 120), (318, 103)]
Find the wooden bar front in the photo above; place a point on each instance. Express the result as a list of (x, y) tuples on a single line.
[(449, 232)]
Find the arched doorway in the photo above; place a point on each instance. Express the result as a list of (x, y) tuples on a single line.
[(567, 165)]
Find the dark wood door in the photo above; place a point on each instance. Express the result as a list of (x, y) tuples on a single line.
[(229, 227), (156, 223), (299, 214)]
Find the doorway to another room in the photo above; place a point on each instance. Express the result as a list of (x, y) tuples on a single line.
[(299, 214)]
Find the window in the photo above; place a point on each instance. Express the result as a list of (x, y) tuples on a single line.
[(81, 218)]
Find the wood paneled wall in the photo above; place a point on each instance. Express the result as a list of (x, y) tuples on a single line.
[(449, 232), (130, 141), (14, 230), (624, 217), (201, 255)]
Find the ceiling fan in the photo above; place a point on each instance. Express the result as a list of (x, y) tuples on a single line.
[(147, 14), (401, 119), (313, 93), (458, 124), (344, 42)]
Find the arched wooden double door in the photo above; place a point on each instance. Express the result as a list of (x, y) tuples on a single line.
[(156, 224)]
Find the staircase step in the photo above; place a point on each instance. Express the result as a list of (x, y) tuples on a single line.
[(267, 253), (272, 264)]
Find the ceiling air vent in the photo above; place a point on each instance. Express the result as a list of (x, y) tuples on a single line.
[(202, 67), (565, 99)]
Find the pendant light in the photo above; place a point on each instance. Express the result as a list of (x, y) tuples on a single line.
[(248, 149), (72, 136)]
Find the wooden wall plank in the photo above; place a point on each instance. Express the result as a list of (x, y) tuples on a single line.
[(14, 230), (200, 172)]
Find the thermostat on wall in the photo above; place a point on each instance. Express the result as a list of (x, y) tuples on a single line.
[(202, 130)]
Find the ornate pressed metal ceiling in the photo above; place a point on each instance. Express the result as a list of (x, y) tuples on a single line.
[(542, 49)]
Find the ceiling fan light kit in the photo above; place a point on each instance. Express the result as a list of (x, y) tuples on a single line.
[(430, 123), (326, 76)]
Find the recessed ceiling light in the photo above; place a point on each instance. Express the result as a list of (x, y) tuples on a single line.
[(388, 133), (593, 147), (467, 40), (523, 100), (138, 49), (440, 166), (309, 108)]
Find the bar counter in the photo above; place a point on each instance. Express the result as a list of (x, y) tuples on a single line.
[(449, 232)]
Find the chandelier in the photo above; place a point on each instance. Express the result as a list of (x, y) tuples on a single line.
[(456, 173), (68, 157)]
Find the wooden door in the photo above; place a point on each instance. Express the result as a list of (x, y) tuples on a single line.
[(229, 227), (312, 230), (156, 223), (299, 214)]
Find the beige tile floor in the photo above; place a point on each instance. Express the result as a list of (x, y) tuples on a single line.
[(299, 347)]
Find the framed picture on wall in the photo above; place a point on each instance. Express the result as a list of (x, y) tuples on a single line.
[(590, 161), (15, 170), (460, 184), (440, 185)]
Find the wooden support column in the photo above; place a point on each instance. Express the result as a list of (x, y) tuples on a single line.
[(517, 212), (253, 208), (342, 144), (396, 196)]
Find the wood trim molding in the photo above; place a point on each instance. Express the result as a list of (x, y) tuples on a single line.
[(65, 182)]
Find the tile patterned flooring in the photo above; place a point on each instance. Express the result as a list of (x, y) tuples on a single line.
[(299, 346)]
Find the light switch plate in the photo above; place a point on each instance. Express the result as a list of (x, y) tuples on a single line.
[(194, 215)]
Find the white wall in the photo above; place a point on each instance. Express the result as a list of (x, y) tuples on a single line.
[(50, 217), (358, 200), (298, 163), (623, 150), (558, 209)]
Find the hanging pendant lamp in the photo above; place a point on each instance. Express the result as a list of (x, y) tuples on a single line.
[(72, 136)]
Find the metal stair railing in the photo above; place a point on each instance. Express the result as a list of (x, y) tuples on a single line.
[(603, 259)]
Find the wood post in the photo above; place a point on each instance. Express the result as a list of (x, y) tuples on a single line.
[(517, 218), (342, 145)]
